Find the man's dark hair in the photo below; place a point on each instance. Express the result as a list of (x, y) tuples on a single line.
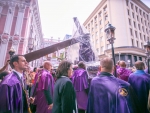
[(13, 59), (3, 74), (63, 68), (41, 66), (139, 65), (81, 65), (34, 70)]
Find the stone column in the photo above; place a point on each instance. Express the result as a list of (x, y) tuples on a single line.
[(3, 46), (6, 33), (9, 18), (17, 36)]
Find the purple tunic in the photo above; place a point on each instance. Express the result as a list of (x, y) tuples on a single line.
[(12, 97), (80, 82), (123, 73), (140, 81), (46, 82), (111, 95)]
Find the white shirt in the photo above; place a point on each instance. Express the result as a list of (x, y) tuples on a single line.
[(20, 74)]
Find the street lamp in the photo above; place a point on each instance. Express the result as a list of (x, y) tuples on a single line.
[(147, 49), (31, 45), (11, 52), (110, 34)]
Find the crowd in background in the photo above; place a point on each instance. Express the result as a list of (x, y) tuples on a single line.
[(74, 89)]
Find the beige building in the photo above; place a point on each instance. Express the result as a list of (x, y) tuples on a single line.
[(132, 21)]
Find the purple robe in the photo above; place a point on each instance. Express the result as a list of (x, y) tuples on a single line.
[(80, 82), (111, 95), (123, 73), (46, 82), (140, 81), (12, 97)]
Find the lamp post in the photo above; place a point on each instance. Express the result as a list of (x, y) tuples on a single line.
[(11, 52), (147, 49), (110, 34), (31, 45)]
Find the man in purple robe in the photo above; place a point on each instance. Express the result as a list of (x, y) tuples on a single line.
[(140, 81), (123, 72), (13, 98), (109, 94), (80, 82), (44, 90)]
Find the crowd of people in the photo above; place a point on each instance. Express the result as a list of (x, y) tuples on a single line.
[(70, 89)]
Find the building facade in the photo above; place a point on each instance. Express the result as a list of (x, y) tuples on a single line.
[(55, 57), (132, 21), (20, 28)]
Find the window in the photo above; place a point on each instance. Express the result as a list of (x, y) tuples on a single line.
[(139, 26), (132, 42), (97, 50), (105, 8), (140, 58), (141, 20), (144, 14), (148, 38), (100, 14), (96, 19), (128, 12), (140, 12), (136, 34), (137, 18), (95, 26), (131, 32), (92, 29), (97, 41), (133, 15), (131, 6), (145, 23), (127, 2), (137, 43), (100, 22), (147, 17), (95, 33), (140, 36), (135, 58), (102, 48), (129, 21), (134, 24), (143, 28), (92, 22), (146, 31), (101, 39), (106, 17), (144, 38), (108, 46), (88, 25), (101, 30), (142, 45), (136, 9)]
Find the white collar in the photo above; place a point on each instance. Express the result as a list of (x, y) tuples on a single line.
[(20, 74)]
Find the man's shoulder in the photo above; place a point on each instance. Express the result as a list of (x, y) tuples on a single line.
[(122, 82), (10, 80)]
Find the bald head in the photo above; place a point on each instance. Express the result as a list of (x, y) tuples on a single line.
[(139, 65), (47, 65), (122, 64), (106, 65)]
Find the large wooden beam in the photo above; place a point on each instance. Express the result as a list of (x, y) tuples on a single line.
[(50, 49)]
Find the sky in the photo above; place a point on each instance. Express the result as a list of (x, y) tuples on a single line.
[(57, 15)]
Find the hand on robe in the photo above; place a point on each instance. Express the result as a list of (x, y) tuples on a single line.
[(31, 100), (50, 106)]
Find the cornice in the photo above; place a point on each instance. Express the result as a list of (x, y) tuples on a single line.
[(142, 5), (95, 10)]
